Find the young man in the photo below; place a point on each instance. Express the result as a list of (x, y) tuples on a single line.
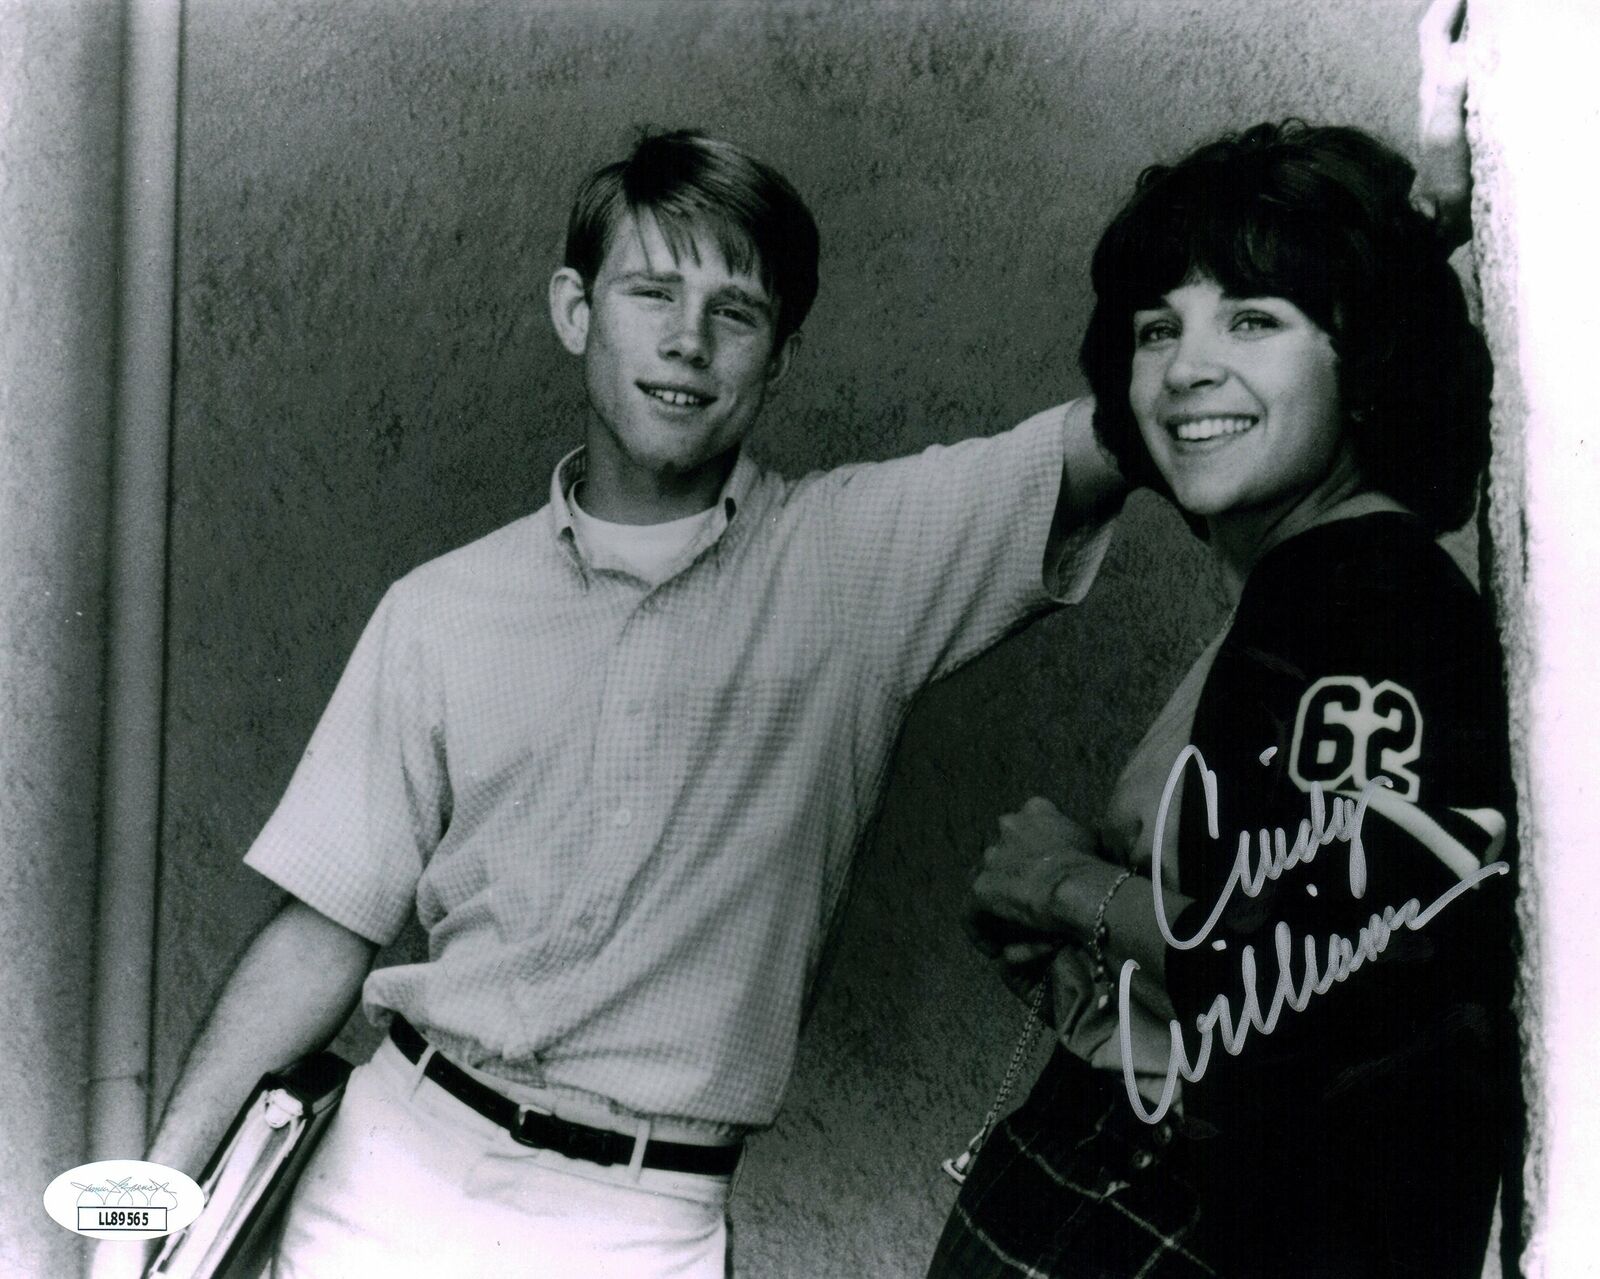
[(618, 756)]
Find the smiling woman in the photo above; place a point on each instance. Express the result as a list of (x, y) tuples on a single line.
[(1280, 346), (1289, 244)]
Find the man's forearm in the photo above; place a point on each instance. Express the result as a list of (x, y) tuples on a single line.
[(1091, 486), (290, 994)]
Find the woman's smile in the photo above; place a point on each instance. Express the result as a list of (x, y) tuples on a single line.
[(1201, 429)]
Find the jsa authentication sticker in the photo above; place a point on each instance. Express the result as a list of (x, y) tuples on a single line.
[(123, 1199)]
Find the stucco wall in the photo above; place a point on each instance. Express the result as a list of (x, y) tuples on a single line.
[(1536, 206), (372, 198), (58, 151)]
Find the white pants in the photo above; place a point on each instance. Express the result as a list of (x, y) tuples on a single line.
[(408, 1181)]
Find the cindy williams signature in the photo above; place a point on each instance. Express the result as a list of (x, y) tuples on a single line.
[(1344, 956)]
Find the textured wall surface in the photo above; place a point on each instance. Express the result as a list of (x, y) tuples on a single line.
[(1495, 245), (372, 199), (58, 86), (1531, 93)]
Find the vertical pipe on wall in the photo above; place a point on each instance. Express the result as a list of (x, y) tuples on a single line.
[(136, 585)]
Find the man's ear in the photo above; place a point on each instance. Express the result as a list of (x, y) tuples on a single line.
[(782, 358), (569, 309)]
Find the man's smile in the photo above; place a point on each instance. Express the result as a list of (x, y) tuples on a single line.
[(676, 396)]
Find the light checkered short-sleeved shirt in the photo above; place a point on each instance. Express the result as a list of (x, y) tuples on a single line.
[(625, 815)]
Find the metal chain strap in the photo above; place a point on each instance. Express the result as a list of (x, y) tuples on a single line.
[(956, 1169)]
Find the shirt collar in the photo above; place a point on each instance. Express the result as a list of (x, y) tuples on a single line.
[(572, 468)]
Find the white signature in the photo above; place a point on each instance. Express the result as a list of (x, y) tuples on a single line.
[(1277, 855)]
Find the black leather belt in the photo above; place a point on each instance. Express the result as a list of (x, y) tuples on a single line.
[(575, 1141)]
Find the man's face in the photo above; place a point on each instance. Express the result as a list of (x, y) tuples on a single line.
[(678, 354)]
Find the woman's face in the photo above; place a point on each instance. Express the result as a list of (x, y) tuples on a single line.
[(1237, 399)]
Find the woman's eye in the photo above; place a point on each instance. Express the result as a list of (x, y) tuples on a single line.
[(1255, 322), (1153, 331)]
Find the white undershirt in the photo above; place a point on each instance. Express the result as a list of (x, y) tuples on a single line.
[(650, 552)]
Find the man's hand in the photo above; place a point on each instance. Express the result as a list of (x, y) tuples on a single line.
[(1443, 188), (1015, 909)]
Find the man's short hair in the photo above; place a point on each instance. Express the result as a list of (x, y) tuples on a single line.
[(694, 184), (1320, 216)]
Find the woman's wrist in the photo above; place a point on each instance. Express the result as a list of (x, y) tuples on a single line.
[(1076, 900)]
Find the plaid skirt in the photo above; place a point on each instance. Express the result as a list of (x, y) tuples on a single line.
[(1074, 1184)]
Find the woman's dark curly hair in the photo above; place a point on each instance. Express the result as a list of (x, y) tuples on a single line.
[(1321, 217)]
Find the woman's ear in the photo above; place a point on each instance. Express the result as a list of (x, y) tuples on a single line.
[(569, 309)]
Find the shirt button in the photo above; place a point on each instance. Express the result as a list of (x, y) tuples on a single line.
[(622, 817), (634, 707), (585, 921)]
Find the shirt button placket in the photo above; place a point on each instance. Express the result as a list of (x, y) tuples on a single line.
[(621, 727)]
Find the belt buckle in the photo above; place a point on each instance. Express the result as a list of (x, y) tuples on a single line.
[(575, 1141)]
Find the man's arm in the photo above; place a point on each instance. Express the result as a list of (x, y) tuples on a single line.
[(1092, 489), (936, 556), (291, 992)]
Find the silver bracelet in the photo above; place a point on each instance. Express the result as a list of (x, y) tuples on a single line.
[(1099, 936)]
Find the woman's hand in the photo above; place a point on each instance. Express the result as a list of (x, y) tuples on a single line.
[(1016, 907), (1443, 189)]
